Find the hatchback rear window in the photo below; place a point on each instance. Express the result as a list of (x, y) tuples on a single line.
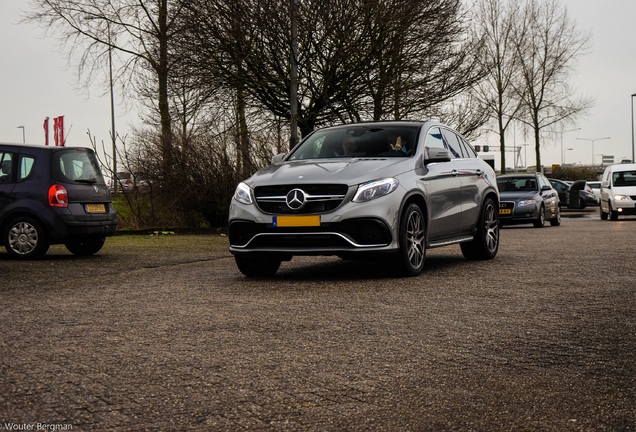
[(76, 165)]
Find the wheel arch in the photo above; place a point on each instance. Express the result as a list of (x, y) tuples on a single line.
[(420, 200), (21, 213)]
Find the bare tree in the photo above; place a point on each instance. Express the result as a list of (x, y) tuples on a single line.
[(141, 31), (357, 59), (421, 56), (494, 24), (548, 46)]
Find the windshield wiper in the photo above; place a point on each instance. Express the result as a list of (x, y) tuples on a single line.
[(89, 181)]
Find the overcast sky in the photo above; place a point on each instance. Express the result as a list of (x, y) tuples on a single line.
[(37, 83)]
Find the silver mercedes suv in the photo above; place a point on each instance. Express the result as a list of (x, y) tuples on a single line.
[(367, 190)]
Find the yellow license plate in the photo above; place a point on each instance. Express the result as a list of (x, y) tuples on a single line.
[(296, 221), (95, 208), (505, 211)]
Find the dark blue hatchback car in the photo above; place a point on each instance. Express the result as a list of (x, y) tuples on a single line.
[(53, 195)]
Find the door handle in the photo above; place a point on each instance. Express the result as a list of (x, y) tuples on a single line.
[(454, 173)]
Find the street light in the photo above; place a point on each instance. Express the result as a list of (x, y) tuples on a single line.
[(112, 99), (563, 132), (23, 134), (112, 108), (632, 100), (593, 140)]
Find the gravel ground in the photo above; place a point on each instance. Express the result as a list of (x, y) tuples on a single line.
[(165, 334)]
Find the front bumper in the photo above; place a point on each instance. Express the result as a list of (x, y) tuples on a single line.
[(364, 234), (517, 214), (350, 228), (626, 207)]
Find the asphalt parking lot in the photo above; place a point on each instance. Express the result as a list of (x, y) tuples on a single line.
[(165, 334)]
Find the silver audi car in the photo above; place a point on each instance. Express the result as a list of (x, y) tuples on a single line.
[(367, 190)]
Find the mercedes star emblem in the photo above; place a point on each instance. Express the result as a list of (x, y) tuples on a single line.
[(295, 199)]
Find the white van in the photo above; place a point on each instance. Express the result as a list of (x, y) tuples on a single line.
[(618, 191)]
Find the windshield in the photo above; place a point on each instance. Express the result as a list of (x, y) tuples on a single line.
[(77, 165), (624, 178), (359, 142), (514, 184)]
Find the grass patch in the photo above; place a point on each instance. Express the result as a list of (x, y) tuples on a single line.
[(167, 244)]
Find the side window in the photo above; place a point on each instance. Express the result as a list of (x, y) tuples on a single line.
[(559, 187), (6, 167), (453, 143), (434, 138), (468, 149), (26, 166)]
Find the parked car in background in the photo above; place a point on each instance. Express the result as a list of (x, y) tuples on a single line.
[(581, 195), (386, 190), (53, 195), (618, 191), (596, 189), (527, 198), (124, 181), (574, 195), (563, 188)]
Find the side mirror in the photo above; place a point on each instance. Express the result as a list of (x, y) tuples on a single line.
[(278, 159), (545, 188), (435, 154)]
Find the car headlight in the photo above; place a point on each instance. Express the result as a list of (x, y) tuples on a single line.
[(529, 202), (375, 189), (621, 197), (243, 194)]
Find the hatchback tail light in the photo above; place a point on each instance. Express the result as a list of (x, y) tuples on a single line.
[(58, 196)]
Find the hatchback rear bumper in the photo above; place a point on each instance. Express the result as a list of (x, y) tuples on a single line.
[(63, 225)]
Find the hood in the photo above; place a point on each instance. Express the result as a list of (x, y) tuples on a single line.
[(517, 196), (624, 190), (351, 171)]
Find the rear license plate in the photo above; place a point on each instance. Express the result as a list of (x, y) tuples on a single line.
[(95, 208), (296, 221), (505, 211)]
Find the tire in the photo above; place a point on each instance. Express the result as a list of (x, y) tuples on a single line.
[(257, 265), (24, 238), (602, 213), (486, 242), (412, 238), (556, 220), (85, 246), (612, 214), (540, 220)]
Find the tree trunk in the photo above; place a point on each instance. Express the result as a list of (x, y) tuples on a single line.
[(164, 106), (502, 143), (537, 144), (243, 135)]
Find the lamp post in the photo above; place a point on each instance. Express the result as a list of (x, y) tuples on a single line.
[(23, 134), (112, 99), (593, 141), (563, 132), (632, 100), (293, 72), (112, 108)]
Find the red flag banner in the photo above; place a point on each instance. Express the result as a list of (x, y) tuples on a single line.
[(58, 131), (46, 131)]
